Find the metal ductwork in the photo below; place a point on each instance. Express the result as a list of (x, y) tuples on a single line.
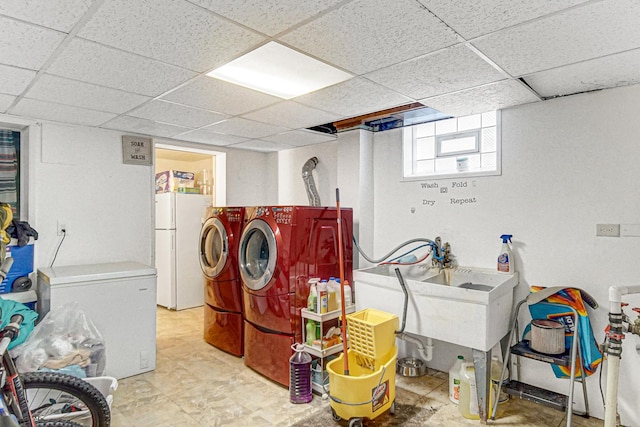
[(307, 177)]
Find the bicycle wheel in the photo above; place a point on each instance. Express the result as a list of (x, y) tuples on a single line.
[(56, 424), (59, 397)]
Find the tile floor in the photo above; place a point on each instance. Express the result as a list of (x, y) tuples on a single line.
[(195, 384)]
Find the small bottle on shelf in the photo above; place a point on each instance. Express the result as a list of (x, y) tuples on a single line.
[(348, 297), (332, 292), (311, 332), (312, 300), (323, 298)]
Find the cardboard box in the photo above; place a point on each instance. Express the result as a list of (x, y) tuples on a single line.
[(170, 181)]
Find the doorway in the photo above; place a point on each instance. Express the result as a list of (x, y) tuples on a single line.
[(208, 167)]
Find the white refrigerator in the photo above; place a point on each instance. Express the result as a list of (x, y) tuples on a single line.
[(179, 218)]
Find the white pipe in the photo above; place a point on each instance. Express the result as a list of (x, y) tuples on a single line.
[(613, 362), (425, 350), (613, 367), (615, 296)]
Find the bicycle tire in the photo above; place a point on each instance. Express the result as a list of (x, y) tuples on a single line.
[(60, 390)]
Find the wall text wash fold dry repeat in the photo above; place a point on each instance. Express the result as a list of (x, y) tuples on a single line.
[(445, 189)]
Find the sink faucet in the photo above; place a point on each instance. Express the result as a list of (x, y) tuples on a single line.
[(441, 256)]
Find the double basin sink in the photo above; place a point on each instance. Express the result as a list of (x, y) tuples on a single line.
[(467, 306)]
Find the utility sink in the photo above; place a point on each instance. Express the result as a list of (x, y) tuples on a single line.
[(467, 306)]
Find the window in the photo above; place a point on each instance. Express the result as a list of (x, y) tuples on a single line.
[(10, 169), (461, 146)]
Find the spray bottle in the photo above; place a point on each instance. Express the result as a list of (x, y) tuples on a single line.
[(505, 259), (312, 300)]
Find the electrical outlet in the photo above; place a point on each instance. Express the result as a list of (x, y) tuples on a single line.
[(62, 228), (608, 230)]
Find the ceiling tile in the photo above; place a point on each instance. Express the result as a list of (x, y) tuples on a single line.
[(59, 113), (260, 145), (212, 138), (472, 18), (292, 115), (5, 102), (243, 127), (168, 112), (353, 98), (26, 45), (365, 35), (610, 71), (267, 16), (300, 138), (215, 95), (437, 73), (13, 81), (80, 94), (143, 126), (60, 15), (597, 29), (178, 33), (104, 66), (490, 97)]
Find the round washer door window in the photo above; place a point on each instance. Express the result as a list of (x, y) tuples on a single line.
[(258, 254), (214, 247)]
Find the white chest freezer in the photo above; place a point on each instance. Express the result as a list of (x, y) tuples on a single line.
[(119, 298)]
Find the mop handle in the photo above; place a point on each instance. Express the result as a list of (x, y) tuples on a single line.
[(343, 327)]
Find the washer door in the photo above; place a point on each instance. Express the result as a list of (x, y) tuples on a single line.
[(214, 247), (257, 255)]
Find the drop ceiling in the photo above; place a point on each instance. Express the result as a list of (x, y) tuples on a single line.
[(139, 66)]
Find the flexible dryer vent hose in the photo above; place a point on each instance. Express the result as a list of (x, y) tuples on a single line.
[(307, 177)]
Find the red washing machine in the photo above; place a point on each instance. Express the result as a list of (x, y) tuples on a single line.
[(223, 312), (281, 248)]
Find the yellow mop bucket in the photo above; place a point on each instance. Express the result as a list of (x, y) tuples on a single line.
[(369, 389), (371, 336), (364, 393)]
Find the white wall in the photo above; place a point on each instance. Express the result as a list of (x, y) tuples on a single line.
[(76, 176), (291, 187), (567, 165), (251, 178), (79, 179)]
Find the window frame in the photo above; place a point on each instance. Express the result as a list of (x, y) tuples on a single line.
[(457, 135), (410, 160)]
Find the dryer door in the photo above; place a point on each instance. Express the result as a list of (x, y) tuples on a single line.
[(257, 255), (214, 247)]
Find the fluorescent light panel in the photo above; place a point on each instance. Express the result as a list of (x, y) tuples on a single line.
[(280, 71)]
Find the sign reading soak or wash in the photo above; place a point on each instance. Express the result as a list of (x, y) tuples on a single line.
[(136, 150)]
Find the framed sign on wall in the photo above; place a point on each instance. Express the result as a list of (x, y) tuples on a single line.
[(136, 150)]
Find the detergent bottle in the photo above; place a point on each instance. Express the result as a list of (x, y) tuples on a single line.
[(505, 259), (311, 331), (348, 296), (323, 296), (454, 380), (332, 294), (312, 300), (468, 406)]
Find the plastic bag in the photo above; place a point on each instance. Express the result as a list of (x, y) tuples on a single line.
[(64, 337)]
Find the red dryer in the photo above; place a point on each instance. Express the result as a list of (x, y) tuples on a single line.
[(281, 248), (223, 312)]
